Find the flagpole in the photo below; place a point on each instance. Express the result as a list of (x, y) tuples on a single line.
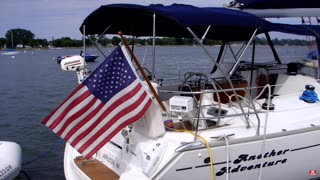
[(142, 72)]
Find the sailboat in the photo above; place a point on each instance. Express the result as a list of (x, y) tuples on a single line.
[(10, 52), (218, 125), (287, 9)]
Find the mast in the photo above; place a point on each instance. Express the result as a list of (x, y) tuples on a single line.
[(12, 40)]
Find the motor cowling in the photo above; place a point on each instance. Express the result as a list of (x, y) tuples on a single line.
[(73, 63)]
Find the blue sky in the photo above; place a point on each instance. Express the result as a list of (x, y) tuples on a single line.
[(62, 18)]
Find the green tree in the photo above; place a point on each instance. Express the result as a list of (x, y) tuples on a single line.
[(67, 42), (2, 42), (276, 41), (41, 42), (178, 41), (115, 40), (19, 36), (104, 41)]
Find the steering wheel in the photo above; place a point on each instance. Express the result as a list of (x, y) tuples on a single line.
[(194, 79), (193, 82)]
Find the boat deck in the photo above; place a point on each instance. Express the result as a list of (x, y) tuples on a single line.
[(95, 169)]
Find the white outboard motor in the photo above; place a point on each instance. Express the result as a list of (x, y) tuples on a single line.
[(75, 63)]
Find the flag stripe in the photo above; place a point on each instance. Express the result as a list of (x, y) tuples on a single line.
[(77, 125), (118, 128), (68, 109), (73, 111), (110, 122), (123, 99), (89, 107), (106, 117), (46, 120), (109, 107)]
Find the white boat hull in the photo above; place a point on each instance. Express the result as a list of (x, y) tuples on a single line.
[(287, 155), (289, 150), (10, 53)]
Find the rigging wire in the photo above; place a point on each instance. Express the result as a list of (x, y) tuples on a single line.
[(42, 155), (53, 147)]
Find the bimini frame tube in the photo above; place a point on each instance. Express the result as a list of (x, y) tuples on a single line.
[(84, 42), (153, 47), (274, 52), (223, 73), (318, 50), (235, 56), (205, 34), (237, 62)]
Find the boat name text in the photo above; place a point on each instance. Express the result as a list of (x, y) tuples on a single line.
[(111, 161), (5, 170), (246, 158)]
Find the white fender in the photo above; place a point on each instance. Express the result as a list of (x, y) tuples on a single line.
[(10, 159)]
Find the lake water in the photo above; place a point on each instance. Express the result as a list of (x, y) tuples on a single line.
[(32, 85)]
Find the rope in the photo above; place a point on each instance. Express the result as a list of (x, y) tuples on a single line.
[(54, 146), (25, 174), (207, 146), (226, 138), (227, 143), (263, 147)]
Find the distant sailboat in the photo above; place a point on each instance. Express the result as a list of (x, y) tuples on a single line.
[(11, 51), (52, 47)]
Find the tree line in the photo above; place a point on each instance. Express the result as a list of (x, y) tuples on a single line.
[(25, 38)]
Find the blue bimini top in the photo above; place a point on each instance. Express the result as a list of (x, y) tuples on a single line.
[(172, 21)]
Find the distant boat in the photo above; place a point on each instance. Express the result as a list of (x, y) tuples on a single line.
[(91, 57), (88, 58), (51, 47), (10, 52), (313, 55), (312, 59)]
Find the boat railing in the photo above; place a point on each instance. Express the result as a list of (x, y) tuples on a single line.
[(203, 104)]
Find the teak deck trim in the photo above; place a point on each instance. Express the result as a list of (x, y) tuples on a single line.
[(95, 169)]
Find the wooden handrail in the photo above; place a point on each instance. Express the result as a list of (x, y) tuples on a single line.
[(142, 72)]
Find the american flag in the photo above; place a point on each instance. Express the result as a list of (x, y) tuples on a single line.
[(111, 98)]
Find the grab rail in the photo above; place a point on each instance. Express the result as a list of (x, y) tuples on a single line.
[(200, 106)]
